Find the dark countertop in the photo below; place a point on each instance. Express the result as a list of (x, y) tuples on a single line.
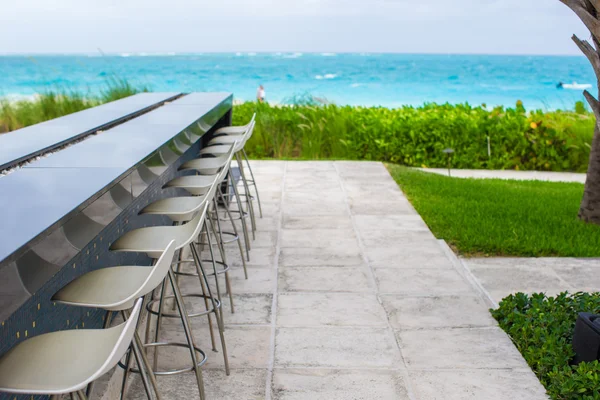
[(36, 197), (23, 143)]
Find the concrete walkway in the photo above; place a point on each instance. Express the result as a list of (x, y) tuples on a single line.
[(501, 276), (350, 296), (509, 174)]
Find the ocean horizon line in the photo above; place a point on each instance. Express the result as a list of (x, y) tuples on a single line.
[(101, 53)]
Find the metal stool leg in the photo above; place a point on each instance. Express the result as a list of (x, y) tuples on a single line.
[(235, 231), (249, 203), (188, 332), (143, 363), (241, 211), (210, 324), (128, 361), (253, 181), (219, 240), (214, 264), (161, 305), (142, 369), (202, 273)]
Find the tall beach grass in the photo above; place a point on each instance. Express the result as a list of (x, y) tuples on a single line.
[(482, 138), (58, 102)]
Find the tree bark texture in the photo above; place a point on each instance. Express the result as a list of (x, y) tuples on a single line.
[(587, 11)]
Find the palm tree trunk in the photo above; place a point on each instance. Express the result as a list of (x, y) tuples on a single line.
[(589, 211), (587, 11)]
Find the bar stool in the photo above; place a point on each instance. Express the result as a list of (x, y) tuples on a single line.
[(151, 240), (235, 130), (238, 142), (229, 134), (114, 289), (65, 362), (211, 166)]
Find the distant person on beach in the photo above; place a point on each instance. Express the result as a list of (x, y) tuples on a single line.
[(260, 94)]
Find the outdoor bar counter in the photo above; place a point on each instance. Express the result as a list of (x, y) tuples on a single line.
[(59, 213)]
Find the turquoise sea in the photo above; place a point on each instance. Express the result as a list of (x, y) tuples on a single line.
[(356, 79)]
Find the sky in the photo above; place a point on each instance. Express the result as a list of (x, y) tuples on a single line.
[(190, 26)]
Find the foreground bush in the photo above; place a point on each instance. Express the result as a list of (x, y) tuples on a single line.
[(416, 136), (542, 329)]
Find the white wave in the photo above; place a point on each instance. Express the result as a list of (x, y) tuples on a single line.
[(238, 54), (326, 76), (295, 55), (576, 86), (125, 54), (328, 54), (356, 84), (251, 54)]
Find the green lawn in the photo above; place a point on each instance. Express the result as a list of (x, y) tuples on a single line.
[(501, 217)]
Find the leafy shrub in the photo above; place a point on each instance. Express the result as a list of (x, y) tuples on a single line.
[(416, 136), (542, 329)]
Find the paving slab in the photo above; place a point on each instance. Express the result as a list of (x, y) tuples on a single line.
[(325, 279), (459, 348), (502, 276), (217, 385), (304, 257), (500, 281), (329, 309), (421, 282), (338, 384), (317, 222), (464, 311), (477, 384), (323, 238), (348, 347)]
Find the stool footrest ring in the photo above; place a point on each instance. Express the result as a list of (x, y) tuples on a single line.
[(173, 315), (233, 239), (219, 272), (201, 362)]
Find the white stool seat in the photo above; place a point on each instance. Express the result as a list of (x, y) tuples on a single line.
[(206, 166), (232, 130), (197, 184), (180, 209), (230, 139), (65, 361), (217, 150), (153, 240), (106, 288)]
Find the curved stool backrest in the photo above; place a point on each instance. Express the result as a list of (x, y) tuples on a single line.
[(222, 174), (158, 273), (190, 231), (117, 350)]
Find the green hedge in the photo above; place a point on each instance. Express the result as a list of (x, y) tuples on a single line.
[(542, 329), (416, 136)]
